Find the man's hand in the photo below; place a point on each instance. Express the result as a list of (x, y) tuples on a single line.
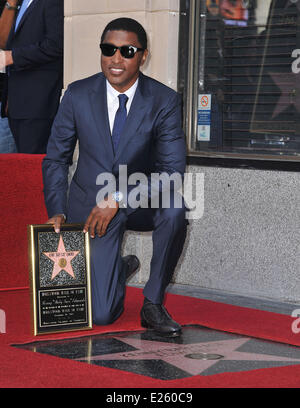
[(8, 58), (100, 217), (57, 221), (5, 59)]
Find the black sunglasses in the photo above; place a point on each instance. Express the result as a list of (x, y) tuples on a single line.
[(127, 51)]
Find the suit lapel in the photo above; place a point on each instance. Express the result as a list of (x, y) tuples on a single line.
[(138, 109), (98, 101), (26, 14)]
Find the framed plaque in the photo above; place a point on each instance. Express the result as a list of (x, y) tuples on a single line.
[(59, 278)]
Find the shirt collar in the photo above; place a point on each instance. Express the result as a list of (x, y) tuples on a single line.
[(113, 93)]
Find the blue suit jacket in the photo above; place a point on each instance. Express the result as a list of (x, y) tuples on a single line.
[(152, 141), (35, 80)]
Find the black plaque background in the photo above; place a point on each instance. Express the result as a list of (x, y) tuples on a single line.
[(70, 297)]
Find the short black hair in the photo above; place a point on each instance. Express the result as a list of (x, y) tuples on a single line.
[(127, 24)]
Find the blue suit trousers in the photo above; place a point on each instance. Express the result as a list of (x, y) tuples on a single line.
[(169, 227)]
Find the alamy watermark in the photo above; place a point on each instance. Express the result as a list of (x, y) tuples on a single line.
[(296, 63), (2, 322), (158, 190)]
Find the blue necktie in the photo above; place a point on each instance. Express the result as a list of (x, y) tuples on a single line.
[(120, 120), (21, 12)]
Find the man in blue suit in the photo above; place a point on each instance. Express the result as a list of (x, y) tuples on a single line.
[(34, 81), (120, 118)]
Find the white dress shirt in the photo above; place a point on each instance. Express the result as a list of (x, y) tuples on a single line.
[(113, 101)]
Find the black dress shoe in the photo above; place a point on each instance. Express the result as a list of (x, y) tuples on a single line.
[(132, 263), (156, 317)]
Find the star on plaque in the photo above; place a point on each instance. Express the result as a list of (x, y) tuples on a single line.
[(62, 259)]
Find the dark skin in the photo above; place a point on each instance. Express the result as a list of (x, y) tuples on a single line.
[(6, 21), (121, 74)]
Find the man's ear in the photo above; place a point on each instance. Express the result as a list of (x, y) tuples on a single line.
[(144, 57)]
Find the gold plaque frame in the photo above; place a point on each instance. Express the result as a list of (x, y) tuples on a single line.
[(60, 279)]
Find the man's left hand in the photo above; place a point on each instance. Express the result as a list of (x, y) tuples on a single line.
[(100, 217)]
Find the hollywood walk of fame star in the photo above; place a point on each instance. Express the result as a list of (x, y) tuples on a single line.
[(62, 259), (287, 84), (178, 355), (291, 3)]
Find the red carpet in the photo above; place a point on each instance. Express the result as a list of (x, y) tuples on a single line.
[(22, 203), (22, 368)]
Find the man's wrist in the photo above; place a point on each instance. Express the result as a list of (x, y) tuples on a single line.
[(118, 197), (12, 5)]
